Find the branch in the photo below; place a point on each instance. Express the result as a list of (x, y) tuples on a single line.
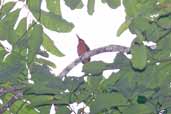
[(9, 90), (16, 97), (109, 48)]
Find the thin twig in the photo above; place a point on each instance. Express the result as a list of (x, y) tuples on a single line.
[(109, 48), (9, 90), (13, 99)]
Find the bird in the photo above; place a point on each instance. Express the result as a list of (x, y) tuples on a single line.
[(82, 47)]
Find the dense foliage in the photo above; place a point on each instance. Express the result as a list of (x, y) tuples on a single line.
[(141, 86)]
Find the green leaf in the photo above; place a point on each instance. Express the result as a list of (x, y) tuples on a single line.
[(21, 45), (157, 76), (35, 40), (49, 45), (6, 27), (55, 22), (107, 100), (3, 31), (124, 26), (164, 44), (94, 68), (140, 108), (46, 62), (37, 100), (44, 81), (90, 6), (94, 82), (11, 18), (139, 56), (71, 83), (121, 59), (73, 4), (130, 7), (63, 110), (11, 68), (21, 28), (140, 24), (112, 3), (6, 8), (21, 107), (54, 6), (2, 54), (21, 39), (44, 109), (107, 83), (125, 83), (34, 7)]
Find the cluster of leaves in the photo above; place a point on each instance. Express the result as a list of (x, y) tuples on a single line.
[(141, 86), (22, 60)]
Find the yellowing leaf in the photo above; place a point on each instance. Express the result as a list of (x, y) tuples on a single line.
[(124, 26)]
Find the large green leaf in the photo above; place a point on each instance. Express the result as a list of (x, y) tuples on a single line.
[(37, 100), (21, 107), (54, 6), (35, 41), (73, 4), (94, 68), (139, 56), (63, 110), (44, 109), (156, 76), (125, 82), (6, 8), (49, 45), (130, 6), (140, 24), (140, 108), (12, 68), (55, 22), (11, 18), (6, 27), (94, 82), (21, 28), (122, 60), (106, 100), (34, 6), (164, 44), (21, 41), (112, 3), (90, 6), (3, 31), (2, 54), (45, 81)]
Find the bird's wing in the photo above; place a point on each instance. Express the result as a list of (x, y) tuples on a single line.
[(88, 49)]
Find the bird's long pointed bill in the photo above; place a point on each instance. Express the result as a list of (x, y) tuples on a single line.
[(78, 37)]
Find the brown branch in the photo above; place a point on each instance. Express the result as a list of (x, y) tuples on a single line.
[(13, 99), (109, 48)]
